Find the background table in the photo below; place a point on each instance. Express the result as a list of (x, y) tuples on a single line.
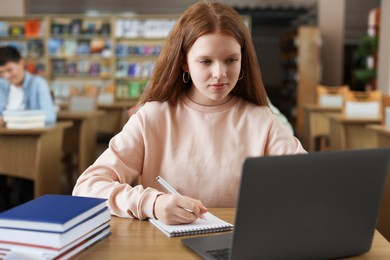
[(79, 141), (115, 116), (34, 154), (316, 123), (351, 133)]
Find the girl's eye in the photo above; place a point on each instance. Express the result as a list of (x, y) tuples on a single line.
[(231, 60), (205, 61)]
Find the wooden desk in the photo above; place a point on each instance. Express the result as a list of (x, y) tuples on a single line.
[(135, 239), (351, 133), (383, 140), (316, 123), (383, 134), (115, 116), (34, 154), (80, 139)]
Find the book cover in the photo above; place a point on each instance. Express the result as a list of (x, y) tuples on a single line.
[(51, 212), (32, 27)]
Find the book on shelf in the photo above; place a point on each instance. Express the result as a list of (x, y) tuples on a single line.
[(4, 29), (32, 28), (54, 225), (210, 224)]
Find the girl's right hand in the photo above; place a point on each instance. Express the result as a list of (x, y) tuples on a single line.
[(174, 209)]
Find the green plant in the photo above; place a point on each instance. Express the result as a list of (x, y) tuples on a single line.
[(368, 46), (365, 76)]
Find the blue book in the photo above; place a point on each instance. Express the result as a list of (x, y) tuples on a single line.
[(55, 213)]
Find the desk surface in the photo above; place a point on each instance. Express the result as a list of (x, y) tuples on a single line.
[(315, 107), (382, 129), (351, 120), (137, 239), (122, 104), (75, 115), (36, 131)]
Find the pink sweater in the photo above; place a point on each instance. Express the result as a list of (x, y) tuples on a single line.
[(199, 150)]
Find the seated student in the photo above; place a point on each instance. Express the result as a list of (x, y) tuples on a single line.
[(205, 111), (19, 90)]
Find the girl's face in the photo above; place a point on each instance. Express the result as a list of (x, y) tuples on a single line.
[(214, 63)]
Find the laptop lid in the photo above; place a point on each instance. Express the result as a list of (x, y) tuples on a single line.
[(310, 206)]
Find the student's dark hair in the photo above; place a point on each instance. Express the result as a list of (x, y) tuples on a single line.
[(204, 17), (9, 54)]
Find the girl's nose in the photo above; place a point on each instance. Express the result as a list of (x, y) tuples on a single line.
[(219, 71)]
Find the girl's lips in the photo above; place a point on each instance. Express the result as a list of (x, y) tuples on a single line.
[(218, 85)]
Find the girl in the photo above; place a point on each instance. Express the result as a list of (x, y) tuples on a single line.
[(205, 111)]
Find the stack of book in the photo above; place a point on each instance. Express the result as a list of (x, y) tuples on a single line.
[(24, 119), (53, 227)]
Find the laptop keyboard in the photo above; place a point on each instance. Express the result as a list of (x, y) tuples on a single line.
[(220, 254)]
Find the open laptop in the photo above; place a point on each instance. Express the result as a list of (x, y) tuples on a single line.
[(310, 206)]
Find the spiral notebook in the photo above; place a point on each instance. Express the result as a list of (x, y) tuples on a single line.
[(210, 224)]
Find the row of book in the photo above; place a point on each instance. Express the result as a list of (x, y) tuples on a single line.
[(29, 28), (37, 68), (31, 48), (53, 227), (130, 89), (71, 47), (61, 67), (141, 69), (80, 27), (150, 28), (124, 50)]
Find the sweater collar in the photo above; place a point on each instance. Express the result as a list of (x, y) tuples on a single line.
[(208, 109)]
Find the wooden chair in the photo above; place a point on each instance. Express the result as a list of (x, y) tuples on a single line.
[(331, 96), (83, 99), (386, 111), (363, 104)]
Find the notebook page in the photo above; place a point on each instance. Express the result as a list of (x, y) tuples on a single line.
[(200, 226)]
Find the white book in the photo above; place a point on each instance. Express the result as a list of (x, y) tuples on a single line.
[(53, 239), (24, 119), (210, 224), (45, 251), (25, 125), (65, 255), (22, 113)]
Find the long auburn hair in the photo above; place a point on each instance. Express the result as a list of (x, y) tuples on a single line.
[(204, 17)]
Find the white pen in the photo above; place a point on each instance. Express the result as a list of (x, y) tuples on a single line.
[(166, 185), (169, 188)]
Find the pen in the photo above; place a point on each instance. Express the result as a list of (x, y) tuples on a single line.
[(166, 185)]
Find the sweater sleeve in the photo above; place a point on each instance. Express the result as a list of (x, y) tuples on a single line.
[(115, 170), (280, 140)]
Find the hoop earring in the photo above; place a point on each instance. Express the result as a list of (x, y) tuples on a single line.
[(240, 78), (184, 77)]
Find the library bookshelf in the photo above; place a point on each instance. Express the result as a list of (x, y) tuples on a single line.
[(115, 53)]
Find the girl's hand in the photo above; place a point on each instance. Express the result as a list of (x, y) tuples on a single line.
[(174, 209)]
